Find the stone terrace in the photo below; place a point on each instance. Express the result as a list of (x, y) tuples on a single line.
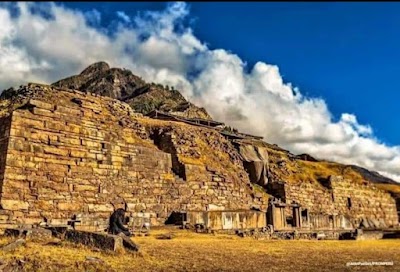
[(66, 153)]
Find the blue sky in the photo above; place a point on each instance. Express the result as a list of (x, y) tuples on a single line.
[(345, 53), (316, 78)]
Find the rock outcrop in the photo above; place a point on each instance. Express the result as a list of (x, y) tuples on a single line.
[(121, 84), (255, 161)]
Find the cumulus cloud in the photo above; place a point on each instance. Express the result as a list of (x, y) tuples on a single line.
[(46, 42)]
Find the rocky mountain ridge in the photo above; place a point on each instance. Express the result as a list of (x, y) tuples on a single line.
[(121, 84)]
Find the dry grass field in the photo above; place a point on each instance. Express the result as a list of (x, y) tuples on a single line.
[(202, 252)]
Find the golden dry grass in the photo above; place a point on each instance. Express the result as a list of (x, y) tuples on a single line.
[(200, 252), (147, 121), (209, 155), (313, 171), (393, 188)]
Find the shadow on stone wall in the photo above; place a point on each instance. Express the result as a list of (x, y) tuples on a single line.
[(5, 124), (164, 142)]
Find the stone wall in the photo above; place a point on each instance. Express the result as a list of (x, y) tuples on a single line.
[(363, 201), (215, 180), (341, 197), (313, 196), (67, 154), (72, 154), (4, 136), (228, 220)]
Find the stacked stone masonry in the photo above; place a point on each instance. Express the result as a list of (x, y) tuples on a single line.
[(73, 157), (66, 154), (341, 197)]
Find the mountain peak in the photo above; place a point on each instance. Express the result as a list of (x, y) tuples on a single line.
[(97, 67), (123, 85)]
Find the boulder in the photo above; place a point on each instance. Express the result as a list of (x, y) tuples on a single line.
[(33, 234), (128, 243), (13, 245), (101, 241)]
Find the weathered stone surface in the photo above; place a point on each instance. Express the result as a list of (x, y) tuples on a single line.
[(128, 243), (368, 235), (70, 153), (33, 234), (14, 205), (97, 240), (58, 231), (100, 207), (165, 236), (66, 158), (363, 204), (40, 104), (13, 245)]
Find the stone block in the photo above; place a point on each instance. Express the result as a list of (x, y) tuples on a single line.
[(67, 110), (13, 245), (100, 208), (69, 141), (15, 176), (91, 144), (68, 206), (26, 122), (97, 240), (43, 112), (128, 243), (41, 104), (32, 234), (79, 188), (55, 151), (14, 205), (117, 159), (74, 128)]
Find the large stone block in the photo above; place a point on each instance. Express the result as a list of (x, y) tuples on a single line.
[(43, 112), (98, 240), (26, 122), (41, 104), (14, 205), (68, 206), (55, 151), (33, 234), (67, 110), (79, 188), (15, 176), (100, 208)]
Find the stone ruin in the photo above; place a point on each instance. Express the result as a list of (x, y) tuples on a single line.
[(73, 156), (340, 204), (69, 156)]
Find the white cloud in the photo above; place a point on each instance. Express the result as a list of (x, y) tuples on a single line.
[(123, 16), (93, 17), (160, 48)]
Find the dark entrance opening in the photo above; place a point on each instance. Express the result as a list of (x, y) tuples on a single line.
[(349, 202), (176, 218), (289, 221)]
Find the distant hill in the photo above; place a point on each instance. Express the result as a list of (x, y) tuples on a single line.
[(123, 85)]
